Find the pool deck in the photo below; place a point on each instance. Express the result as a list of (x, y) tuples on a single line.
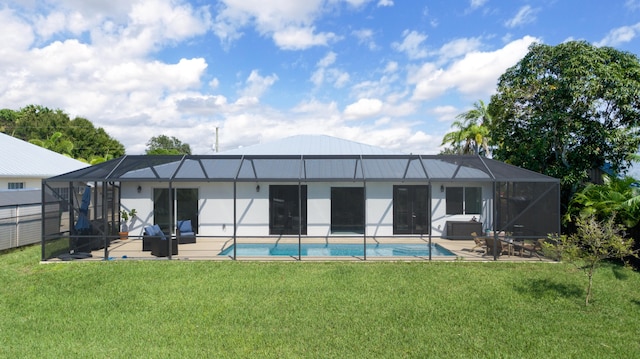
[(208, 248)]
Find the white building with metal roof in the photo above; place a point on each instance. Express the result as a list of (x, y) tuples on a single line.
[(24, 165)]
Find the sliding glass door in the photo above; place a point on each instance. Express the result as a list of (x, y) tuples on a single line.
[(287, 209), (186, 203), (347, 210)]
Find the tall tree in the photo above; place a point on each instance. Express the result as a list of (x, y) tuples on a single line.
[(564, 110), (472, 134), (165, 145), (39, 124)]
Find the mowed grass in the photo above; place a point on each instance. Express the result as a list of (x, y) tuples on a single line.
[(192, 309)]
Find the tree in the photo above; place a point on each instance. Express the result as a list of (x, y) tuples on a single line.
[(164, 145), (56, 142), (593, 242), (91, 142), (472, 136), (40, 125), (567, 109)]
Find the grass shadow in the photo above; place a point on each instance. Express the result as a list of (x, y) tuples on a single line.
[(542, 288), (620, 272)]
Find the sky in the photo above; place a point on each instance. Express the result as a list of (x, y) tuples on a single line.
[(387, 73)]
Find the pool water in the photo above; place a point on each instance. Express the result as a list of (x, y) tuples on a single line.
[(335, 250)]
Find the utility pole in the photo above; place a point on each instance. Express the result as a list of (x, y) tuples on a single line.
[(217, 139)]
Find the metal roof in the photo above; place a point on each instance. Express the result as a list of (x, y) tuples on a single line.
[(311, 145), (303, 168), (25, 160)]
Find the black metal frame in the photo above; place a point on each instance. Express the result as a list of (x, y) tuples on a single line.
[(422, 169)]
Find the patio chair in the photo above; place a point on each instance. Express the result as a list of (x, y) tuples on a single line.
[(532, 248), (479, 243), (496, 246), (184, 232), (148, 234), (157, 241)]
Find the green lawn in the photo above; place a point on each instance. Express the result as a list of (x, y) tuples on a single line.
[(207, 309)]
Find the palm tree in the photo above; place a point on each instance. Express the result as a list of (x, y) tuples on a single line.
[(56, 143), (472, 135), (615, 197)]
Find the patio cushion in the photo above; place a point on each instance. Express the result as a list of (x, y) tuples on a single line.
[(158, 232), (185, 226), (149, 231), (185, 232)]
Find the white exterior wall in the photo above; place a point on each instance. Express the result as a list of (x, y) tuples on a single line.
[(439, 217), (29, 182), (252, 207)]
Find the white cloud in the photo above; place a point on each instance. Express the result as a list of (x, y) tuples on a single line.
[(391, 67), (445, 113), (300, 38), (477, 3), (328, 60), (257, 85), (363, 108), (411, 45), (12, 25), (326, 74), (525, 15), (214, 83), (288, 22), (385, 3), (620, 35), (459, 47), (475, 74), (365, 37), (632, 4)]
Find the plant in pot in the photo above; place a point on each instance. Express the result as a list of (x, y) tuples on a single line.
[(125, 216)]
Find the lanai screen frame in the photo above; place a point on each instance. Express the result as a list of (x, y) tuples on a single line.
[(302, 169)]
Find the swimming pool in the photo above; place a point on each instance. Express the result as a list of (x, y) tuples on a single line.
[(335, 250)]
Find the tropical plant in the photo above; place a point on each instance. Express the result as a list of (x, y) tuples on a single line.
[(615, 197), (472, 134), (56, 143), (125, 215)]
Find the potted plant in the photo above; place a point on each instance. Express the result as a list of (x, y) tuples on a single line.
[(125, 215)]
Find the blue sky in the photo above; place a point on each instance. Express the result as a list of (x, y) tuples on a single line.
[(387, 73)]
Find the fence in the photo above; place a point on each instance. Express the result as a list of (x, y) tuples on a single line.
[(20, 225)]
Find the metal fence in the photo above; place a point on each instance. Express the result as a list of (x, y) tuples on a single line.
[(20, 225)]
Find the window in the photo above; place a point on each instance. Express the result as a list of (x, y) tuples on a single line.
[(16, 185), (347, 210), (464, 200), (287, 209)]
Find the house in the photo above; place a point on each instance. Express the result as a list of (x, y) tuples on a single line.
[(24, 165), (321, 187)]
